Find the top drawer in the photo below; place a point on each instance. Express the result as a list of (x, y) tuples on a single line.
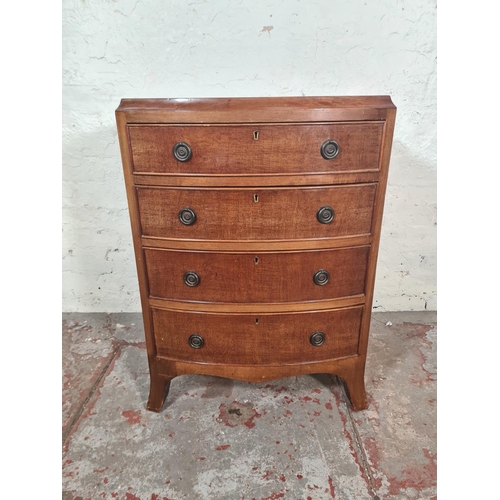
[(256, 149)]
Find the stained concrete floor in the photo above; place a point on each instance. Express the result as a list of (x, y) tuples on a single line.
[(218, 439)]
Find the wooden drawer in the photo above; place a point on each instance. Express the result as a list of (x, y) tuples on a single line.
[(232, 149), (256, 277), (256, 214), (257, 339)]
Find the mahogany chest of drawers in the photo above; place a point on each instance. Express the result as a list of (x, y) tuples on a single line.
[(256, 226)]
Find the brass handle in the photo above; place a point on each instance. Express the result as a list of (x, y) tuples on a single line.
[(317, 338), (321, 277), (330, 149), (325, 215), (187, 216), (182, 151), (191, 278), (196, 341)]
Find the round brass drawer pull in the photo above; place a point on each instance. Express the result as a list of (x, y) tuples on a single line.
[(317, 338), (191, 278), (187, 216), (321, 277), (182, 151), (196, 341), (325, 215), (330, 149)]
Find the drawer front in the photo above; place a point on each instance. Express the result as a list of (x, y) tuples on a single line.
[(256, 277), (254, 339), (278, 149), (256, 214)]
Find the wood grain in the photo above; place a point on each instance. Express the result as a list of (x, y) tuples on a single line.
[(260, 180), (136, 235), (223, 149), (279, 213), (256, 245), (350, 369), (256, 277), (376, 230), (256, 109), (254, 339), (256, 307)]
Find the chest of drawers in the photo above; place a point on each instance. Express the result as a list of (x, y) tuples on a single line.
[(256, 226)]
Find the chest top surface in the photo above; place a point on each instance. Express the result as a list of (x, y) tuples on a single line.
[(255, 109)]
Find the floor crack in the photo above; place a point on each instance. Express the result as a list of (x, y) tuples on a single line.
[(357, 438), (81, 407)]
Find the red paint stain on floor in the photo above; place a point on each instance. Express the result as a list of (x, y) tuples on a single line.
[(328, 406), (101, 470), (282, 478), (250, 422), (236, 413), (223, 447), (417, 476), (419, 330), (132, 416), (274, 496), (373, 453), (306, 399), (277, 390), (317, 391), (299, 476), (130, 496), (423, 376), (266, 475), (332, 487)]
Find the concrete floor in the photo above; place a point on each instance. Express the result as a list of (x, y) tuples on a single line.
[(216, 439)]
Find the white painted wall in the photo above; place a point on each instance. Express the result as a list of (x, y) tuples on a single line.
[(158, 48)]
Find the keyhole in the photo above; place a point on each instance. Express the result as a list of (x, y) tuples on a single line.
[(256, 135), (256, 198), (256, 260), (256, 321)]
